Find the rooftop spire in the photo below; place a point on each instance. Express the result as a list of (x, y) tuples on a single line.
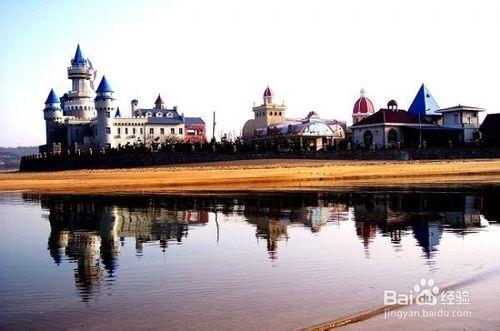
[(52, 97), (159, 102), (78, 56)]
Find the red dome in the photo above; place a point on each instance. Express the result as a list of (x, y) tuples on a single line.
[(363, 106), (268, 92)]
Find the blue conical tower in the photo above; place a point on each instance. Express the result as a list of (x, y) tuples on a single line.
[(424, 103), (52, 98), (78, 56), (104, 90), (104, 86)]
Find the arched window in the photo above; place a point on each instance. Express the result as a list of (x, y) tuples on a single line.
[(392, 136), (368, 138)]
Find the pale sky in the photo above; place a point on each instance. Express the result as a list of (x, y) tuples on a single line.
[(220, 55)]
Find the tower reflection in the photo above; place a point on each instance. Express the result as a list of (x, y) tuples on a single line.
[(89, 231)]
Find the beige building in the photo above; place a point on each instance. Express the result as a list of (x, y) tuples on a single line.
[(270, 123)]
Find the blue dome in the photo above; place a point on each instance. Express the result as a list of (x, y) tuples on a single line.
[(104, 86), (52, 98), (78, 56)]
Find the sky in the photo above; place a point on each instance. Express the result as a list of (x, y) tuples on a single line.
[(219, 55)]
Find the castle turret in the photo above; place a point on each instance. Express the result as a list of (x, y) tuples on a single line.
[(268, 113), (53, 115), (134, 108), (105, 105), (79, 102), (159, 104)]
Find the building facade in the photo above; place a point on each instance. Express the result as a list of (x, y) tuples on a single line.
[(88, 118), (425, 124), (270, 124)]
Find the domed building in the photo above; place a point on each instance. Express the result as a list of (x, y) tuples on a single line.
[(363, 107), (270, 123)]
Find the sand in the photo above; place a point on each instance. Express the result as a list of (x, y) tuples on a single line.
[(255, 175)]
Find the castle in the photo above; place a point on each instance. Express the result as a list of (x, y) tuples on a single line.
[(85, 118)]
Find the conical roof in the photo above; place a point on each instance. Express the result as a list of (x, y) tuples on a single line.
[(52, 97), (78, 56), (424, 103), (118, 114), (268, 92), (159, 101), (104, 86)]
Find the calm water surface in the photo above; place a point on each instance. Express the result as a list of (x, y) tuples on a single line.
[(263, 261)]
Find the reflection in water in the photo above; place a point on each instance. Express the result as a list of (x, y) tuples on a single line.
[(89, 231)]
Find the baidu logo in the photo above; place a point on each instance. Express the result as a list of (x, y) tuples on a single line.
[(424, 293)]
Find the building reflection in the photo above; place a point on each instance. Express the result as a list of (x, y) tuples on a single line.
[(90, 231)]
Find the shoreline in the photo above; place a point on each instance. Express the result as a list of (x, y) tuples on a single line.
[(279, 175)]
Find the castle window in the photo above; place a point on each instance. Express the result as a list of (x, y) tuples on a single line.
[(256, 114), (280, 113), (162, 131), (108, 114), (180, 130), (159, 114), (170, 115), (133, 130), (149, 114), (119, 130), (141, 131), (172, 131), (126, 130), (151, 131), (108, 130)]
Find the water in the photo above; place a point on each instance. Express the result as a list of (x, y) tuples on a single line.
[(247, 261)]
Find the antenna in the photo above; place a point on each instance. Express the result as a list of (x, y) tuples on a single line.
[(213, 128)]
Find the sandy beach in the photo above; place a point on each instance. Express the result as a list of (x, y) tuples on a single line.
[(256, 175)]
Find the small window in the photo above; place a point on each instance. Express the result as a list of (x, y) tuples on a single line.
[(108, 130), (108, 114), (151, 131), (149, 114), (172, 131), (162, 131), (141, 131), (170, 115), (159, 114), (180, 130), (126, 130), (119, 130), (281, 113), (133, 130)]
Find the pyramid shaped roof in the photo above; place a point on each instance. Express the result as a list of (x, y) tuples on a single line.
[(159, 101), (424, 103)]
